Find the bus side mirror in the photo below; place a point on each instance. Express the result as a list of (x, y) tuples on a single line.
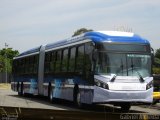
[(152, 55)]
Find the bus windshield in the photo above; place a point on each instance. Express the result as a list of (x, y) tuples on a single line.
[(123, 64)]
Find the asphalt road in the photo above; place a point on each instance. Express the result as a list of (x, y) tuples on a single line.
[(11, 99)]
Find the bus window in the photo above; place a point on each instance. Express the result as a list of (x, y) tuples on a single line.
[(72, 54), (23, 66), (65, 60), (35, 64), (58, 61), (20, 66), (26, 66), (30, 65), (15, 67), (80, 59), (52, 62), (88, 58), (47, 62)]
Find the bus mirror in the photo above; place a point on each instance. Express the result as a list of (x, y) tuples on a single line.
[(152, 55)]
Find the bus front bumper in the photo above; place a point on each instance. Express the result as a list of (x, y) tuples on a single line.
[(104, 96)]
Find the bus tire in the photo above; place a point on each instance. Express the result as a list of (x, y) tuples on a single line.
[(50, 93), (20, 89), (17, 87), (125, 107), (51, 96), (77, 97)]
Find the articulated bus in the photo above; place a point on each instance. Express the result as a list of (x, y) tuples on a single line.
[(95, 67)]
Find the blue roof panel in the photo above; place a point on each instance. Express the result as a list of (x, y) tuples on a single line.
[(104, 36), (34, 50), (100, 37)]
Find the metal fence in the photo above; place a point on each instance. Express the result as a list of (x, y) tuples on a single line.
[(4, 79)]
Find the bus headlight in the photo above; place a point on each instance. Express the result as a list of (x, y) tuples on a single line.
[(101, 84), (149, 85)]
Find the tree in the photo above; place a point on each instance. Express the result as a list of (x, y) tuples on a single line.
[(6, 59), (157, 58), (156, 67), (80, 31), (157, 54), (9, 53)]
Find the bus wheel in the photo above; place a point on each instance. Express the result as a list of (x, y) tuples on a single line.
[(17, 86), (49, 90), (125, 107), (51, 95), (20, 89), (77, 97), (78, 100)]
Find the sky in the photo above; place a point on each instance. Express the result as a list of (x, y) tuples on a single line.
[(25, 24)]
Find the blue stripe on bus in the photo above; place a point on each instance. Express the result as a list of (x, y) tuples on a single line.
[(73, 81)]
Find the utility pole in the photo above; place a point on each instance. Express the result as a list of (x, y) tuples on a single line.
[(6, 45)]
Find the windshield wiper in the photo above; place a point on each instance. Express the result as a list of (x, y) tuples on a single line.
[(113, 78), (140, 77)]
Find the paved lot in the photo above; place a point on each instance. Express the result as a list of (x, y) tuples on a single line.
[(11, 99)]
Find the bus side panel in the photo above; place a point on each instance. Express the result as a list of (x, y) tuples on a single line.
[(88, 94), (29, 84), (64, 89), (61, 88)]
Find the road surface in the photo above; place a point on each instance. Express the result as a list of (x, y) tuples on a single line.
[(11, 99)]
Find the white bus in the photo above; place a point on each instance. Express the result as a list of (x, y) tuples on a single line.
[(95, 67)]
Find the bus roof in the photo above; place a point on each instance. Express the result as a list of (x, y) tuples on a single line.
[(116, 36), (95, 36), (28, 52), (102, 36)]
